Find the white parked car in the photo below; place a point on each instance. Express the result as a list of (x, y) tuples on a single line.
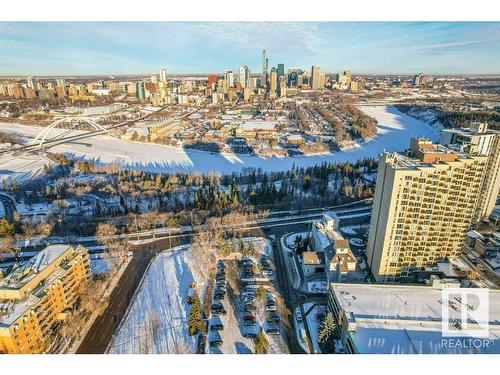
[(298, 315)]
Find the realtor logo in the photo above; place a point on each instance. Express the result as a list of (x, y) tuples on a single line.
[(465, 312)]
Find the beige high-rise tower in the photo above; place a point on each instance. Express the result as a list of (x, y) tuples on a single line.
[(315, 78), (423, 206), (479, 140)]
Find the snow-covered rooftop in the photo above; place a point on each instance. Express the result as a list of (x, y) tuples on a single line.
[(25, 272), (406, 318)]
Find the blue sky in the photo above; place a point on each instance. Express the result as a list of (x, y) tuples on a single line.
[(203, 47)]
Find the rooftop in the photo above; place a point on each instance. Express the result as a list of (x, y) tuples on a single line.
[(257, 125), (21, 274), (407, 319), (313, 257)]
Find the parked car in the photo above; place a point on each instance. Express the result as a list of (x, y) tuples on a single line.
[(215, 340), (273, 330), (271, 307), (273, 318), (219, 296), (298, 315), (303, 335), (250, 335), (217, 326), (217, 308)]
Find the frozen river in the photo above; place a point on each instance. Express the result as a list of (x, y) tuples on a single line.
[(394, 132)]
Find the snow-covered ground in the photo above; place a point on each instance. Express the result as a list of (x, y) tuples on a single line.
[(22, 167), (313, 324), (156, 322), (317, 287), (394, 132), (288, 247), (495, 263)]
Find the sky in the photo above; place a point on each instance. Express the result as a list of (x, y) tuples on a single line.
[(79, 48)]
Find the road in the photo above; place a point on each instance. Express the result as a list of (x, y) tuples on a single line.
[(9, 207), (488, 276), (101, 332), (103, 328)]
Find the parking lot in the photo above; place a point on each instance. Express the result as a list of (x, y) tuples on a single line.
[(245, 305)]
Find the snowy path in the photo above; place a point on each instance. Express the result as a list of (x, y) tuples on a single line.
[(394, 132), (157, 320)]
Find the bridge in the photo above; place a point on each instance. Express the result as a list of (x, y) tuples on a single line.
[(44, 141), (73, 120)]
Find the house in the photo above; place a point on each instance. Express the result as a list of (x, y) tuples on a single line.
[(313, 262), (340, 263)]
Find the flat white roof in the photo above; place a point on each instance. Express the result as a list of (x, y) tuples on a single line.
[(406, 319), (403, 302), (255, 125)]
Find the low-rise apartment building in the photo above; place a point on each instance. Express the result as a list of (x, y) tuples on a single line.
[(35, 296)]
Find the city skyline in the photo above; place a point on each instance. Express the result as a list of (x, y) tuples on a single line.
[(89, 48)]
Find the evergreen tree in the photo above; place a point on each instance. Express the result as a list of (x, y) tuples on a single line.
[(194, 320), (326, 334), (261, 344)]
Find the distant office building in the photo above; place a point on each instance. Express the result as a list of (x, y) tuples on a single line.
[(163, 75), (273, 81), (420, 79), (315, 78), (423, 207), (60, 82), (229, 77), (212, 78), (35, 296), (61, 91), (31, 83), (479, 140), (154, 79), (140, 90), (281, 70), (29, 93), (265, 63), (241, 76), (245, 79), (292, 76)]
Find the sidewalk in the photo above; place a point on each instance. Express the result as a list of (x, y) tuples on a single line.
[(294, 275)]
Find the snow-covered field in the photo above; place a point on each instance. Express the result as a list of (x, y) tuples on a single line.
[(394, 132), (22, 167), (156, 322)]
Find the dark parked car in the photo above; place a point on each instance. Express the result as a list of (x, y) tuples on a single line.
[(273, 330), (217, 308), (273, 318), (215, 339), (217, 326)]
